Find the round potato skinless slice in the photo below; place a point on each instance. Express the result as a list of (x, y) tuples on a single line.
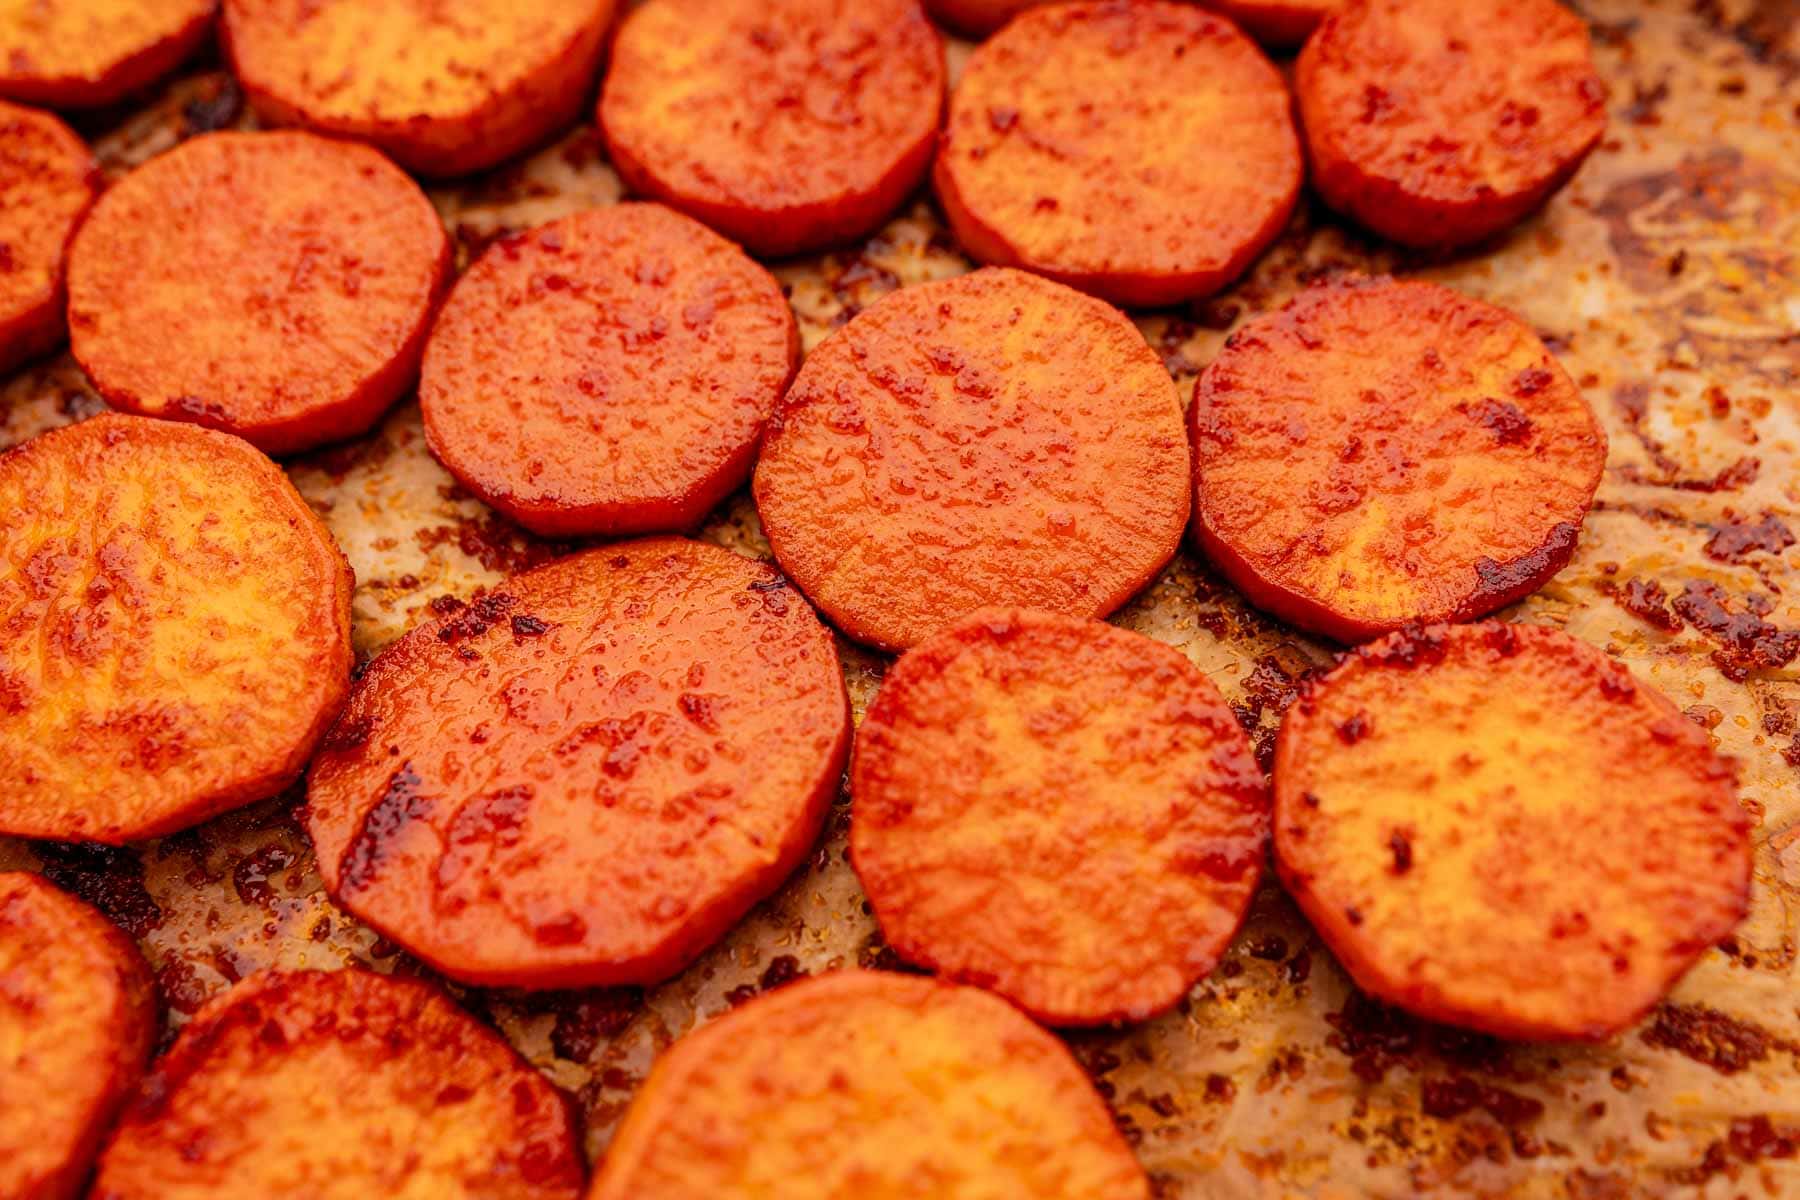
[(607, 373), (174, 630), (1062, 812), (1379, 454), (47, 181), (274, 285), (787, 125), (1438, 123), (875, 1085), (587, 776), (312, 1085), (89, 53), (978, 18), (1282, 24), (1496, 826), (1144, 152), (990, 439), (443, 89), (77, 1016)]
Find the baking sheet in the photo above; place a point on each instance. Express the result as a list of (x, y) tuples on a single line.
[(1667, 277)]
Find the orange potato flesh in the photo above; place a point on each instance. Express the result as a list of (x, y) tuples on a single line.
[(872, 1085), (90, 53), (274, 285), (1060, 811), (587, 776), (1142, 152), (308, 1085), (47, 181), (77, 1016), (1496, 826), (786, 125), (1282, 24), (1439, 123), (608, 373), (1378, 454), (442, 89), (174, 630), (978, 18), (990, 439)]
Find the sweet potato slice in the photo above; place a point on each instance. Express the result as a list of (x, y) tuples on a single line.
[(1060, 811), (312, 1085), (786, 125), (89, 53), (607, 373), (77, 1015), (991, 439), (586, 776), (1496, 826), (1279, 24), (869, 1084), (442, 89), (1439, 123), (47, 181), (978, 18), (1142, 152), (274, 285), (1378, 454), (174, 630)]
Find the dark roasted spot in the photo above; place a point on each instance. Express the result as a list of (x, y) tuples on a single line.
[(1709, 1037), (348, 734), (476, 618), (1755, 1138), (1501, 582), (1401, 848), (1531, 381), (594, 1017), (1646, 600), (251, 877), (1738, 539), (400, 805), (1449, 1098), (1410, 647), (1747, 643), (528, 627), (111, 878), (1502, 418), (1377, 1037)]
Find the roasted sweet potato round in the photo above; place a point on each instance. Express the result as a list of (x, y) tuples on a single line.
[(77, 1015), (1142, 152), (1060, 811), (586, 776), (607, 373), (443, 89), (88, 53), (990, 439), (978, 18), (1379, 454), (1439, 123), (312, 1085), (174, 630), (864, 1083), (1281, 24), (274, 285), (1496, 826), (47, 181), (786, 125)]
